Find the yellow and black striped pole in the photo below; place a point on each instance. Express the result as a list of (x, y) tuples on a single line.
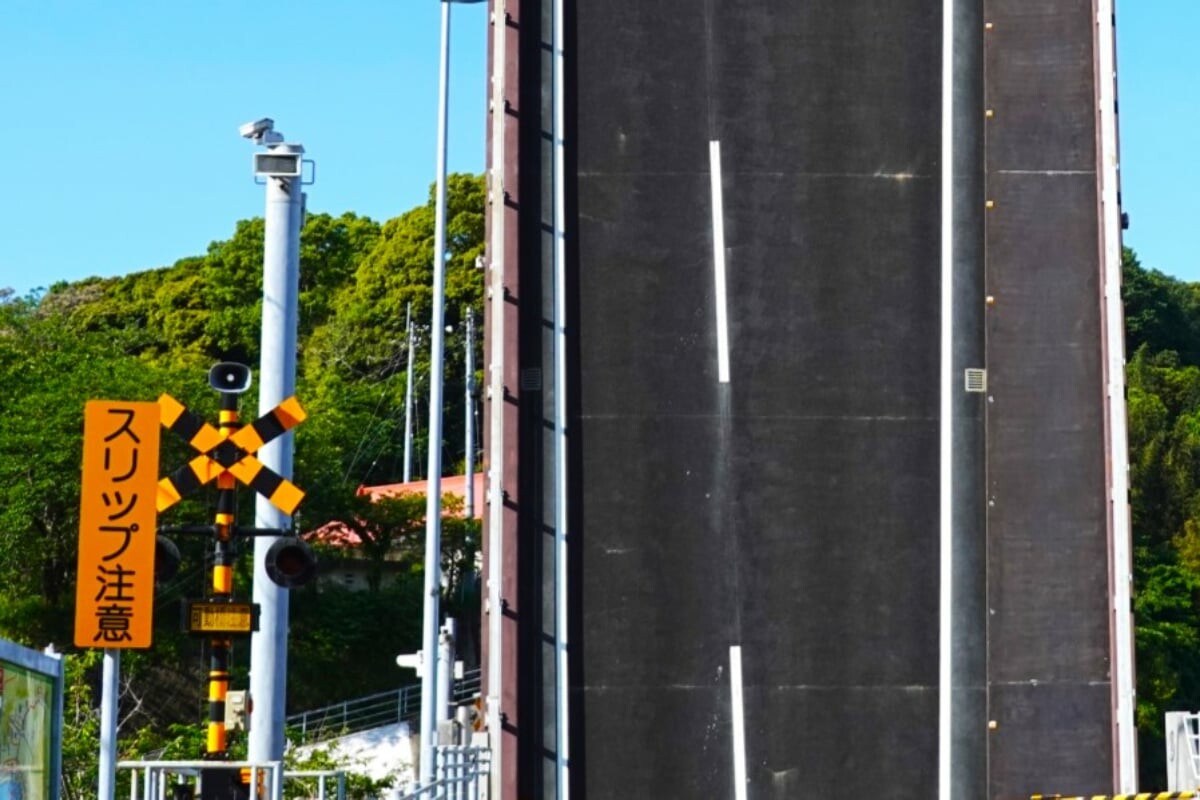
[(222, 588), (226, 456)]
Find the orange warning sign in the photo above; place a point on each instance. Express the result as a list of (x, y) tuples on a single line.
[(114, 599)]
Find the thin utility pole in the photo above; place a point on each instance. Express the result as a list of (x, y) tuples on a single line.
[(469, 488), (110, 685), (433, 492), (408, 402)]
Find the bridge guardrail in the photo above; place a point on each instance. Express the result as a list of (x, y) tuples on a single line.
[(371, 711)]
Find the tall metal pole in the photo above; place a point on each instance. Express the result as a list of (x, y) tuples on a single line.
[(408, 401), (277, 382), (469, 487), (109, 688), (433, 496)]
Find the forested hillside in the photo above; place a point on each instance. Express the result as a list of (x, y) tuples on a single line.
[(1162, 339), (137, 336)]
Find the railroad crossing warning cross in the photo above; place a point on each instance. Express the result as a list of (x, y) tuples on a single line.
[(224, 454)]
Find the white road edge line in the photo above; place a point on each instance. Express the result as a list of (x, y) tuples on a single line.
[(946, 433), (718, 224), (739, 723)]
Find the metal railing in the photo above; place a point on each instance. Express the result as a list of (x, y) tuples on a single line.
[(151, 780), (372, 711), (156, 774), (1183, 750), (1191, 738), (321, 779), (459, 773)]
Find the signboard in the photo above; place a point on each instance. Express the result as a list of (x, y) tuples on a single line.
[(114, 600), (30, 723), (218, 617)]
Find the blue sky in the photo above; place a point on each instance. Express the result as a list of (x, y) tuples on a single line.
[(118, 121), (119, 148), (1158, 67)]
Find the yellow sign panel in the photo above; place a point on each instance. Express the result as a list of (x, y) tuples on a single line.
[(217, 617), (114, 600)]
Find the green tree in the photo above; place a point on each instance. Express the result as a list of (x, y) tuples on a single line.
[(331, 249), (141, 334), (1160, 312), (359, 786), (347, 641), (1163, 406), (1167, 608), (47, 375), (81, 727), (388, 529), (367, 337)]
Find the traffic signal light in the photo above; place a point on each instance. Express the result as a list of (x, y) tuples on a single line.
[(290, 562), (166, 560)]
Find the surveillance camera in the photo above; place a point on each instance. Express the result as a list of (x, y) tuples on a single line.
[(257, 129), (229, 377)]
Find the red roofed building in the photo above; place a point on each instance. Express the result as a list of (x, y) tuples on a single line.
[(349, 570), (454, 484)]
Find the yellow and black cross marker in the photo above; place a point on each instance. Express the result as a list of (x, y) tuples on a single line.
[(226, 453)]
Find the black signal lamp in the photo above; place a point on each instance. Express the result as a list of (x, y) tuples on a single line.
[(290, 562)]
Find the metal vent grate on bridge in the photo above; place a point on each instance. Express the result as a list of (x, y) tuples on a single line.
[(531, 379), (976, 379)]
